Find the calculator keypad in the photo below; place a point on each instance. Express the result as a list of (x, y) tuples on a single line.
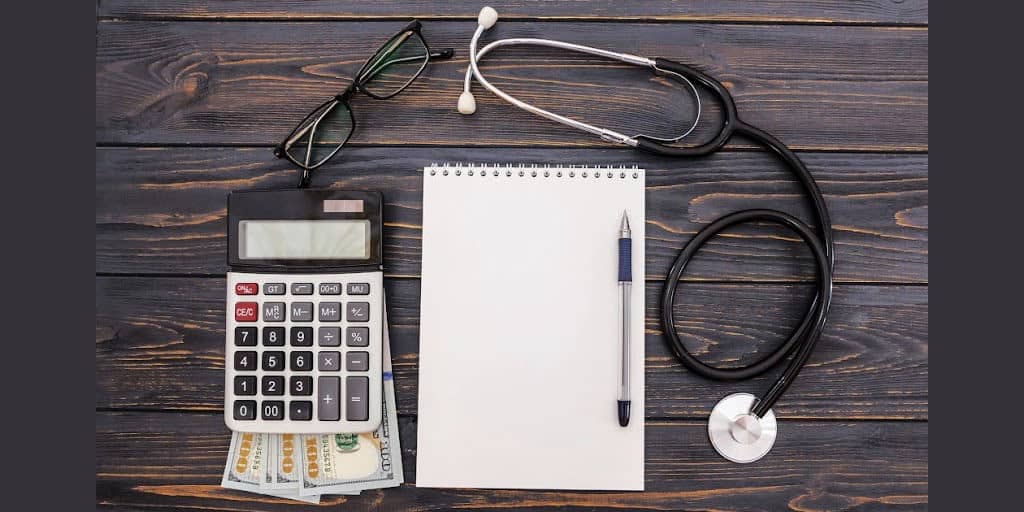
[(299, 351)]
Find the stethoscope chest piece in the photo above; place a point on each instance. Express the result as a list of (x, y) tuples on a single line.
[(738, 435)]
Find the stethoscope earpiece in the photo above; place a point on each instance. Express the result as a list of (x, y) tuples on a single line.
[(487, 18)]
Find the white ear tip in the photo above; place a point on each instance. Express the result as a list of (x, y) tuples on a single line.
[(488, 17), (467, 103)]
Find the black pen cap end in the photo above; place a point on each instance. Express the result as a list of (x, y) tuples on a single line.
[(623, 412)]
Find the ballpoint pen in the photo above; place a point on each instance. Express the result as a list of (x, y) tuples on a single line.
[(625, 286)]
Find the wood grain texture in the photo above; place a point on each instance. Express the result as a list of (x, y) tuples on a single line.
[(815, 87), (155, 461), (162, 210), (160, 344), (803, 11)]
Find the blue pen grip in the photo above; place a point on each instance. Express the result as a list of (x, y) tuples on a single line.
[(626, 259)]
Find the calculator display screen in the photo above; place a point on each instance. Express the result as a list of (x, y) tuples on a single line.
[(304, 239)]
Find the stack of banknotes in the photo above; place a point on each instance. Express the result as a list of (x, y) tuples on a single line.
[(306, 467)]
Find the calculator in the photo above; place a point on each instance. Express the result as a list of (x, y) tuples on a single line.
[(305, 309)]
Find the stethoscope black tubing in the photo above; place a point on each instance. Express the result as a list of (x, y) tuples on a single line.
[(805, 336)]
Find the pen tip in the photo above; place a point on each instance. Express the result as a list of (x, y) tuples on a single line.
[(625, 220)]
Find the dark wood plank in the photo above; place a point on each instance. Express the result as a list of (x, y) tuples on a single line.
[(163, 210), (160, 344), (156, 461), (815, 87), (806, 11)]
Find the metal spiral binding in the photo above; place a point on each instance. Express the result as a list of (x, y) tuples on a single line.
[(534, 170)]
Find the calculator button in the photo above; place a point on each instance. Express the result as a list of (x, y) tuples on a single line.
[(246, 289), (330, 288), (357, 390), (357, 336), (358, 312), (246, 311), (330, 311), (328, 393), (302, 288), (245, 409), (329, 361), (302, 336), (273, 385), (300, 411), (302, 361), (302, 312), (273, 360), (273, 336), (273, 289), (357, 361), (245, 360), (245, 336), (329, 336), (273, 311), (302, 385), (273, 409), (245, 385), (359, 288)]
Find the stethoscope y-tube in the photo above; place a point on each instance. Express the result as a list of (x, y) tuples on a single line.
[(741, 427)]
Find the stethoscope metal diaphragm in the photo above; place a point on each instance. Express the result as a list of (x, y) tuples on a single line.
[(738, 435)]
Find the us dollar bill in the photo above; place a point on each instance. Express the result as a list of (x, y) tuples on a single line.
[(285, 464), (349, 463), (246, 467)]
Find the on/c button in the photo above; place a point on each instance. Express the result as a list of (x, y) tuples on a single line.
[(246, 289)]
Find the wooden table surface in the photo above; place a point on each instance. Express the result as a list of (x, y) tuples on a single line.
[(192, 94)]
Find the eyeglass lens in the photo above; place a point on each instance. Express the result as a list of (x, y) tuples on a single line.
[(321, 134), (395, 64)]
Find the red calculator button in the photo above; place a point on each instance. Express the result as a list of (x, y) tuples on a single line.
[(246, 311), (246, 288)]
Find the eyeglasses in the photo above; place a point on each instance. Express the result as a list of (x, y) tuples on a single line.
[(326, 129)]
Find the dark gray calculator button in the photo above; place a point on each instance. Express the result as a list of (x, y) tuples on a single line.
[(330, 311), (357, 361), (302, 311), (245, 409), (273, 311), (300, 410), (245, 385), (302, 361), (302, 288), (328, 396), (302, 336), (245, 360), (358, 312), (357, 336), (302, 385), (330, 288), (245, 336), (273, 336), (359, 288), (273, 289), (329, 336), (272, 409), (357, 396), (329, 361), (273, 360), (273, 385)]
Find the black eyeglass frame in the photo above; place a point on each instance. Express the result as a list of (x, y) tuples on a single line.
[(362, 77)]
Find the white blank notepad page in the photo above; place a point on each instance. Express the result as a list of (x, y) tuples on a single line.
[(519, 330)]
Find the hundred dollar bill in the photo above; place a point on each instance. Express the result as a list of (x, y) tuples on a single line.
[(246, 467), (284, 468), (349, 463)]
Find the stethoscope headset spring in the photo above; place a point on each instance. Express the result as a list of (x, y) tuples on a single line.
[(741, 427)]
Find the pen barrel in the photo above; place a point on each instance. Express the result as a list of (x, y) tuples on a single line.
[(625, 259), (625, 288)]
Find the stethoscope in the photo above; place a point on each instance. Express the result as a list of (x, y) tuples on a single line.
[(742, 427)]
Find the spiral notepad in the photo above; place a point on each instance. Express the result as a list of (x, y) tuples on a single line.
[(519, 328)]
